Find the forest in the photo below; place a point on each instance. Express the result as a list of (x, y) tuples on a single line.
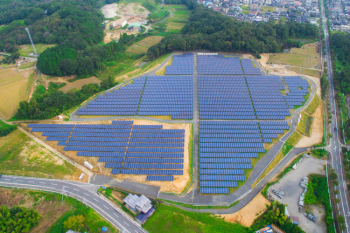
[(64, 60), (18, 219), (213, 31), (73, 23), (340, 49), (49, 103)]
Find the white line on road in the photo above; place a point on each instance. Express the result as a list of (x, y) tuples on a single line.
[(6, 179), (116, 215), (30, 181), (76, 190), (42, 182), (86, 194), (95, 199), (105, 207), (126, 224), (54, 184), (19, 180)]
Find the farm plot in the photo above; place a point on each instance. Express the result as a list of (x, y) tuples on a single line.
[(27, 49), (77, 85), (14, 87), (143, 45)]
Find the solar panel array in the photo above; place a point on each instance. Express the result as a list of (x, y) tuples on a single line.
[(224, 97), (168, 95), (248, 67), (298, 89), (218, 64), (124, 147), (182, 65), (267, 98), (227, 147), (121, 102)]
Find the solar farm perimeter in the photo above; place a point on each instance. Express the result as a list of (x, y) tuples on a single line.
[(239, 110)]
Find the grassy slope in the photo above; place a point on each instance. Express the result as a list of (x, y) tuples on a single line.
[(171, 219), (20, 155)]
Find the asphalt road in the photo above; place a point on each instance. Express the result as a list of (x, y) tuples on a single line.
[(83, 192), (334, 146)]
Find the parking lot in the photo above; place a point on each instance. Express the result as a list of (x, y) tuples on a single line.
[(290, 186)]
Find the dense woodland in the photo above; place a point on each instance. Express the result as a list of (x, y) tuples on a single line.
[(73, 23), (340, 46), (17, 219), (213, 31)]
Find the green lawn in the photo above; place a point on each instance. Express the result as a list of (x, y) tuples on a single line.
[(28, 49), (313, 105), (290, 143), (170, 219)]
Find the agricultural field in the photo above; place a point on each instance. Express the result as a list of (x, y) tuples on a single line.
[(21, 155), (14, 87), (78, 84), (53, 209), (306, 57), (143, 45), (26, 65), (268, 9), (27, 49)]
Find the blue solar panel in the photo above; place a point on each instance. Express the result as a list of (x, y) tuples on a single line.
[(218, 184), (100, 154), (160, 178), (214, 190), (110, 160)]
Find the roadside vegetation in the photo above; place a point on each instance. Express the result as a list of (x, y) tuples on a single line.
[(317, 194), (291, 142), (6, 129), (18, 219)]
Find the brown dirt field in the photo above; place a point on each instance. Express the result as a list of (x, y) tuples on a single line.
[(176, 186), (114, 35), (316, 134), (249, 213), (49, 211), (1, 57), (143, 45), (133, 9), (13, 93), (174, 25), (79, 84)]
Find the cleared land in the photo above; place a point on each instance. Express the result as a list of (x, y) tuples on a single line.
[(308, 56), (109, 10), (27, 49), (161, 71), (310, 72), (26, 65), (77, 85), (249, 213), (143, 45), (268, 8), (20, 155), (177, 186), (14, 87)]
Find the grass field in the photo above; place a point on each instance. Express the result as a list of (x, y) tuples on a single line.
[(307, 57), (314, 73), (20, 155), (173, 220), (27, 49), (268, 8), (161, 71), (26, 65), (77, 85), (14, 87), (143, 45)]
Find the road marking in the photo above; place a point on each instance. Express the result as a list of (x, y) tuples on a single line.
[(42, 182), (30, 181), (6, 179), (126, 224), (116, 215), (86, 194), (76, 190), (95, 199), (54, 184), (19, 180), (105, 207), (136, 231)]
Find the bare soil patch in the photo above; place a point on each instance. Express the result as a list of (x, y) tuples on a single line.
[(79, 84), (249, 213), (109, 10)]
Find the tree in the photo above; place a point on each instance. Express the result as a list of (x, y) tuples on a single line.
[(75, 223), (341, 221)]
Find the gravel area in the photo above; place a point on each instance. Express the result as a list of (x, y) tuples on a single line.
[(290, 186)]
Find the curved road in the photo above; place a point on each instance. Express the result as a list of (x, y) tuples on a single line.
[(83, 192)]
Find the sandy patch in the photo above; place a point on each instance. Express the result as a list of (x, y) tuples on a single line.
[(316, 134), (79, 84), (110, 10), (249, 213), (176, 186)]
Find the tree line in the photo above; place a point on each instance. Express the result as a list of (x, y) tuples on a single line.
[(65, 60), (74, 23), (210, 30), (18, 219)]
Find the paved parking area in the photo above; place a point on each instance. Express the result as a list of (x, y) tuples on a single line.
[(290, 186)]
